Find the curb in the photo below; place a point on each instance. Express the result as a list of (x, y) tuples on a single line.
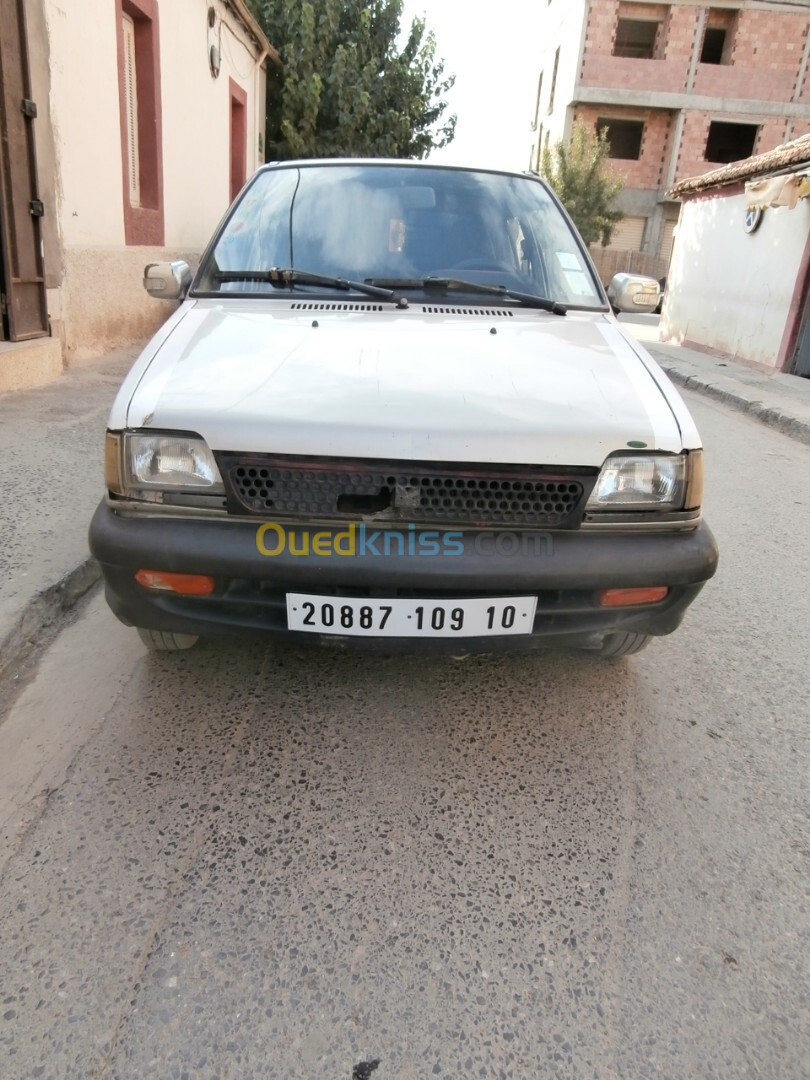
[(789, 425), (44, 610)]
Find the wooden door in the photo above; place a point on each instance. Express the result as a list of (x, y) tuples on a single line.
[(25, 311)]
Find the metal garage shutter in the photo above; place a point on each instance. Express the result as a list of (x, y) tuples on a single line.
[(628, 234), (667, 238)]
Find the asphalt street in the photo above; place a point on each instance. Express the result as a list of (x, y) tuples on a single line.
[(262, 861)]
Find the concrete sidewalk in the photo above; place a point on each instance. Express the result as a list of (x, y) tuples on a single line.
[(780, 401), (51, 474), (51, 478)]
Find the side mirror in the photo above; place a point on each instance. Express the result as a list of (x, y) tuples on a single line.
[(167, 280), (633, 292)]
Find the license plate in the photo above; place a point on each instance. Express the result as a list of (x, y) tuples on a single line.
[(487, 617)]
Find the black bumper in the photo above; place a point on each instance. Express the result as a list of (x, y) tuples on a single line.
[(566, 570)]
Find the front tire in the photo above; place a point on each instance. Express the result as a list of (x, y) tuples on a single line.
[(163, 641), (623, 643)]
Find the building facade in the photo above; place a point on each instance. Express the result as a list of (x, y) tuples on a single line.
[(140, 121), (680, 87)]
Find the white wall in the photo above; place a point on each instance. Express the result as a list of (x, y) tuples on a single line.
[(196, 117), (100, 303), (730, 290), (86, 121)]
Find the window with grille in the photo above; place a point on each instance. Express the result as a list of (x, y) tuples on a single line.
[(139, 100), (131, 110)]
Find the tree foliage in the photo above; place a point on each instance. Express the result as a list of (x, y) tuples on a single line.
[(347, 88), (584, 184)]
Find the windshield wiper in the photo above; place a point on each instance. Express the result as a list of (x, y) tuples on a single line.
[(284, 277), (529, 299)]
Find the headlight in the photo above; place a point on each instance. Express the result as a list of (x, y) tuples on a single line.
[(170, 461), (641, 482)]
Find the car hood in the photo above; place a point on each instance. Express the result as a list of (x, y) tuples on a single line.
[(445, 384)]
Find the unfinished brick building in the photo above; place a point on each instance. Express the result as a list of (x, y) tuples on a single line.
[(680, 87)]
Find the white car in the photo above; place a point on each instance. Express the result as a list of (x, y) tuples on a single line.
[(394, 407)]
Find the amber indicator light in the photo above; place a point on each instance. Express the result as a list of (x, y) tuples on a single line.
[(185, 584), (629, 597)]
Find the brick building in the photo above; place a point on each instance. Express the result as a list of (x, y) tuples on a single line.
[(679, 86)]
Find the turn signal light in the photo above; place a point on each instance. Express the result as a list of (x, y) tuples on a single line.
[(112, 463), (185, 584), (628, 597)]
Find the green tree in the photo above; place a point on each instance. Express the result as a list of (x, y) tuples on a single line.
[(584, 184), (346, 88)]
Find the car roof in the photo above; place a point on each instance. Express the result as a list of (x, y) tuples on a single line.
[(399, 163)]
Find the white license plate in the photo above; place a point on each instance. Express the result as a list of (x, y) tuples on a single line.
[(488, 617)]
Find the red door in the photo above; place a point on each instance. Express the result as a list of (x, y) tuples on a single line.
[(238, 138)]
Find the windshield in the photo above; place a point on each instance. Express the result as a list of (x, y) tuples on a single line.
[(384, 223)]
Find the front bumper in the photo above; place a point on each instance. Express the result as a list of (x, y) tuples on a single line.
[(565, 570)]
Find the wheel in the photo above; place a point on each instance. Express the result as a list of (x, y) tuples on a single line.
[(623, 643), (163, 641)]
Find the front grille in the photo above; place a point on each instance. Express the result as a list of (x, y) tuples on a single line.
[(337, 488)]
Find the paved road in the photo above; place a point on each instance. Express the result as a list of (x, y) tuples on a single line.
[(263, 862), (644, 324)]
